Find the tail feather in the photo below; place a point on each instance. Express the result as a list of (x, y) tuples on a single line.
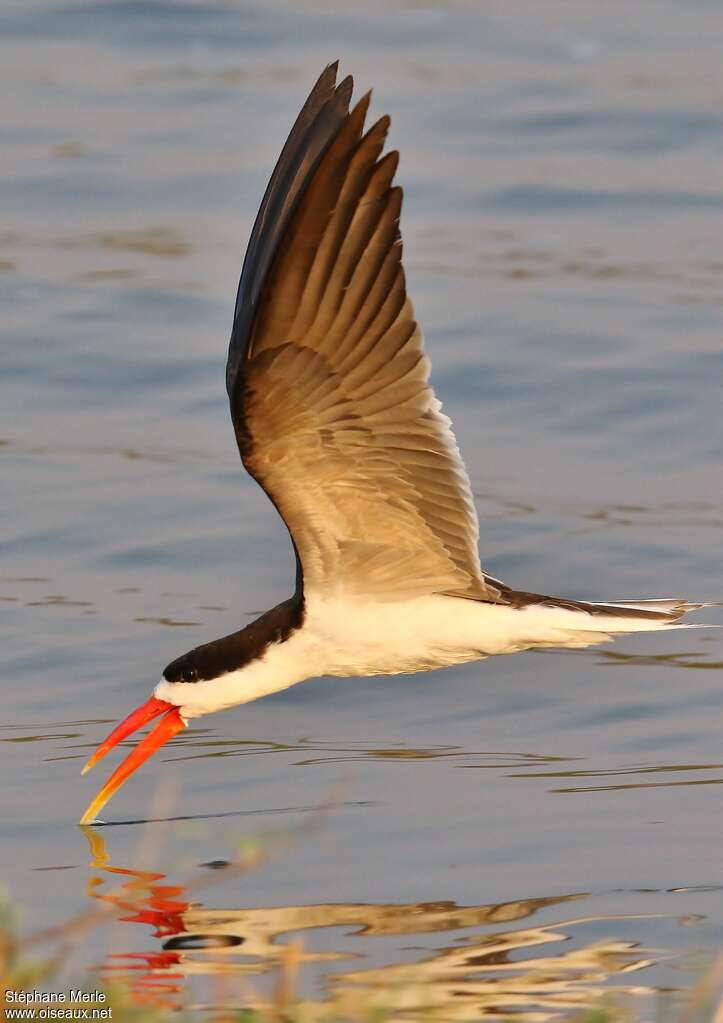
[(578, 623), (666, 610)]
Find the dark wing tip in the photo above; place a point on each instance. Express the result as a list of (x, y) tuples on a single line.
[(344, 89), (326, 82), (320, 118)]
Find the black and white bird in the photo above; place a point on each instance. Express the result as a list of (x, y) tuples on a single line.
[(336, 419)]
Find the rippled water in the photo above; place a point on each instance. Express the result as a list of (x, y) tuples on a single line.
[(517, 835)]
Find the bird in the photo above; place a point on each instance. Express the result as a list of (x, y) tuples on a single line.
[(335, 417)]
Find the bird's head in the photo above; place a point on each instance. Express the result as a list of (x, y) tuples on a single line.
[(174, 701), (221, 674)]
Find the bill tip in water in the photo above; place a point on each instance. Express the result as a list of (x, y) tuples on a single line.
[(169, 725)]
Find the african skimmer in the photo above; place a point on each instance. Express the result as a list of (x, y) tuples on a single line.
[(336, 419)]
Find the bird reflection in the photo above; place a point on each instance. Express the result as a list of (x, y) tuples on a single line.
[(485, 966)]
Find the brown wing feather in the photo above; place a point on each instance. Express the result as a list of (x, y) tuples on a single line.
[(332, 406)]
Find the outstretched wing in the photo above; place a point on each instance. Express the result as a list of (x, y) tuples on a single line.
[(328, 381)]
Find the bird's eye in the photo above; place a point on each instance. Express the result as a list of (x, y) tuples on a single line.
[(189, 675)]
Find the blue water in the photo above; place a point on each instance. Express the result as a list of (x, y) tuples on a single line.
[(564, 245)]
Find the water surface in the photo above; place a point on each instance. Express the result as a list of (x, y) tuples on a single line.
[(513, 836)]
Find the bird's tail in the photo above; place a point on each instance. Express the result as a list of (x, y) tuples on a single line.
[(641, 612), (581, 623)]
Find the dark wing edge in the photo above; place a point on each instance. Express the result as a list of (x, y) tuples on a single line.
[(318, 123)]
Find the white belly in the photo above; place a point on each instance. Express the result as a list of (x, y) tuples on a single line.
[(371, 638)]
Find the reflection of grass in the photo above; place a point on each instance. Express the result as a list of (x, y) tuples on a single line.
[(155, 996), (162, 1001), (606, 1012), (510, 971), (151, 1001), (19, 973)]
